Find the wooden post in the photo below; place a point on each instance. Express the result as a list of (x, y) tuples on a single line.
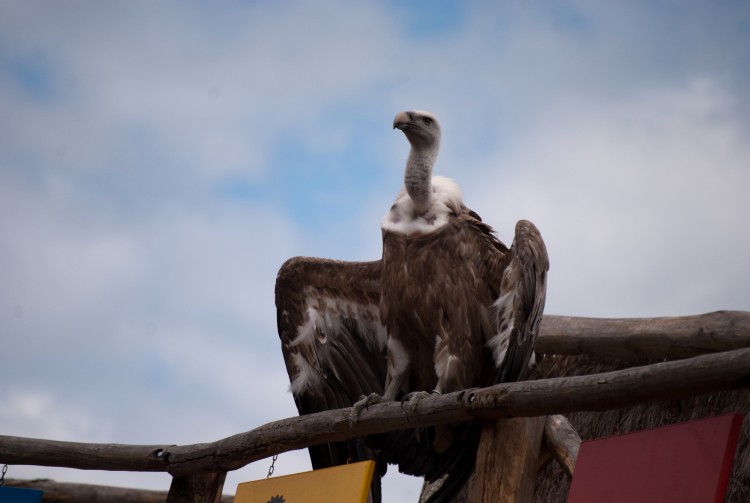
[(197, 488), (507, 459), (562, 441)]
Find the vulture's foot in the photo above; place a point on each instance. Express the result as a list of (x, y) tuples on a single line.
[(363, 403), (410, 400)]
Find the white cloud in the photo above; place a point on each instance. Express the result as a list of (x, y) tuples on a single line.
[(641, 201), (37, 413), (208, 91)]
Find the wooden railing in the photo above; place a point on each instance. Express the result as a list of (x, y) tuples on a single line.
[(713, 351)]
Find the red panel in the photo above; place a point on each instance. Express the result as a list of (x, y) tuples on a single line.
[(686, 463)]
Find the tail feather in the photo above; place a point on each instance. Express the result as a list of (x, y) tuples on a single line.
[(448, 471)]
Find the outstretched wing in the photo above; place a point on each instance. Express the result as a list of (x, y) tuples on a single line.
[(333, 342), (518, 309)]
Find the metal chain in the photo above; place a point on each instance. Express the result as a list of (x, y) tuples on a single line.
[(2, 476), (270, 468)]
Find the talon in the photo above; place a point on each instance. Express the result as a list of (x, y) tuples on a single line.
[(410, 400), (362, 404)]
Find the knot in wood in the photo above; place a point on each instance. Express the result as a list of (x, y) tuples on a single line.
[(482, 399)]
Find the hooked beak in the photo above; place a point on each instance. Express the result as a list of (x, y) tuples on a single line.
[(403, 120)]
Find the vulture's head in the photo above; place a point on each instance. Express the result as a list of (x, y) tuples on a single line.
[(421, 128)]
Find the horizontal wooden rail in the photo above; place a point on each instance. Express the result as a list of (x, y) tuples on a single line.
[(667, 380), (645, 338), (85, 456)]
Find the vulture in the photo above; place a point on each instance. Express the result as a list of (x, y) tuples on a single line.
[(447, 307)]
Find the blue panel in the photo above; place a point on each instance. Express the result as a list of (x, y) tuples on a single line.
[(18, 495)]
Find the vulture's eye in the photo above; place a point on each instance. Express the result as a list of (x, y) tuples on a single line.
[(427, 121)]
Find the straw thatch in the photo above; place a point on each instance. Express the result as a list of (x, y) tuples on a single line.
[(553, 484)]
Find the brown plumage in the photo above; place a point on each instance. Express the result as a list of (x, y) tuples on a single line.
[(448, 307)]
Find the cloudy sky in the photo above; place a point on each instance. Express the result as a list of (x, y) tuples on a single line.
[(160, 160)]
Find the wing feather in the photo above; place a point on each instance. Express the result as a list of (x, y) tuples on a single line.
[(519, 307), (333, 343)]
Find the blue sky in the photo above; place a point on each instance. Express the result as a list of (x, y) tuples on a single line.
[(160, 161)]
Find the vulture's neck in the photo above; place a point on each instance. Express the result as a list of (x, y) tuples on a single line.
[(418, 177)]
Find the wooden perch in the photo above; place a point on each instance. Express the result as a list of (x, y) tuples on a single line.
[(645, 338), (661, 381), (84, 456)]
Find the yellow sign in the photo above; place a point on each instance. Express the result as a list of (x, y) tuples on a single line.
[(339, 484)]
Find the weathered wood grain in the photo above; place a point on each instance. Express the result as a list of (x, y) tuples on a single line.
[(562, 441), (645, 338), (197, 488), (85, 456), (506, 463)]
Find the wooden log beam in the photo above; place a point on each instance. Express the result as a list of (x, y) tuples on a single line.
[(645, 338), (612, 390), (661, 381), (84, 456)]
